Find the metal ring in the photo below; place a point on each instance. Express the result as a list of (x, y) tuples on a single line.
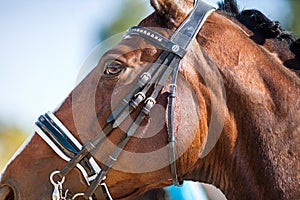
[(58, 182), (79, 195)]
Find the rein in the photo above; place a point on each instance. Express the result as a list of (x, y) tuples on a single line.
[(167, 64)]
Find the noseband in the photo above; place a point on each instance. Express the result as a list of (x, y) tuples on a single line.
[(67, 147)]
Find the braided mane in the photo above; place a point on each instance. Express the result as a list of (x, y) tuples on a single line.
[(262, 27)]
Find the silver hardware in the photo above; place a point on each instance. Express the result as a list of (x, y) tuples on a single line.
[(111, 157), (58, 182), (139, 97), (175, 48), (172, 90), (172, 86), (150, 102), (64, 196), (80, 195), (145, 77), (57, 192)]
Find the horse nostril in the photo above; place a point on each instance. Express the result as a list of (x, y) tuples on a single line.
[(6, 193)]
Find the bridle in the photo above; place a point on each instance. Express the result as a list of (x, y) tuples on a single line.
[(167, 64)]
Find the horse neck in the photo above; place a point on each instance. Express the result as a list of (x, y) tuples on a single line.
[(283, 51), (256, 155)]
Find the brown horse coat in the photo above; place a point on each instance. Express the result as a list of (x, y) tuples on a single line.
[(256, 155)]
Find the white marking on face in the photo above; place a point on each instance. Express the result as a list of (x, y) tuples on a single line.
[(17, 153)]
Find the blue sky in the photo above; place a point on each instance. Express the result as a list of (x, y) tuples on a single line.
[(44, 43)]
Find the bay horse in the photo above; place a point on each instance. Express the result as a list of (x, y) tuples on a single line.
[(236, 115)]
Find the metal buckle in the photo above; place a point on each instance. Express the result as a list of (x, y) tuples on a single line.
[(144, 78), (138, 98), (150, 102)]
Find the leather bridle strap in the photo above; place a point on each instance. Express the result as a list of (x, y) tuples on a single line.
[(148, 104), (167, 63), (177, 45), (194, 22)]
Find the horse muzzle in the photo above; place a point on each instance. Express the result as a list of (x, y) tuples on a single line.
[(7, 193)]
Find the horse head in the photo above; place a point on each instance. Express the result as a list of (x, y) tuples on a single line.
[(232, 123)]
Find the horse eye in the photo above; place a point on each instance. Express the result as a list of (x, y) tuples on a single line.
[(114, 68)]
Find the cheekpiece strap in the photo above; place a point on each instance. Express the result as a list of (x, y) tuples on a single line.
[(177, 44)]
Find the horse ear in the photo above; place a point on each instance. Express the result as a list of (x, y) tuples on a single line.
[(174, 11)]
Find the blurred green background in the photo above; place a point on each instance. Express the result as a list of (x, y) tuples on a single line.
[(120, 16)]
